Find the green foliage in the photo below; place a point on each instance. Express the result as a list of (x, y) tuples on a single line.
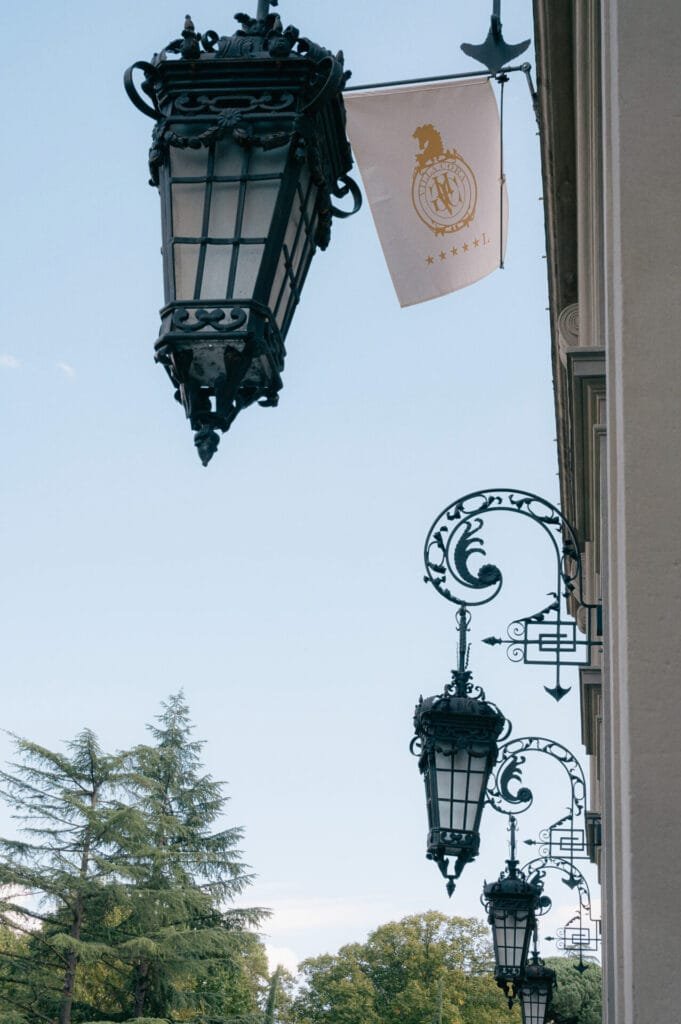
[(425, 969), (578, 997), (183, 946), (116, 900), (58, 881)]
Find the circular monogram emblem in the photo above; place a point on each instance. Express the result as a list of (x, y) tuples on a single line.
[(444, 193), (443, 187)]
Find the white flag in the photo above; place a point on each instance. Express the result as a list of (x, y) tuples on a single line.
[(430, 159)]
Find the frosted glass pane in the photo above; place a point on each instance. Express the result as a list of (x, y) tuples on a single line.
[(229, 159), (261, 196), (279, 278), (250, 257), (187, 210), (223, 207), (444, 808), (444, 785), (443, 761), (216, 272), (186, 263), (284, 304), (188, 163)]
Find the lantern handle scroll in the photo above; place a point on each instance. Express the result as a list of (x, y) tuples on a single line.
[(349, 185), (131, 89)]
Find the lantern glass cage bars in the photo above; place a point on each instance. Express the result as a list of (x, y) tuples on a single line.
[(534, 1001)]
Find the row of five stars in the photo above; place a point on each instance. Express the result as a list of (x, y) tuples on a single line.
[(454, 251)]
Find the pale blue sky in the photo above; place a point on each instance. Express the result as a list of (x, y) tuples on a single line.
[(281, 587)]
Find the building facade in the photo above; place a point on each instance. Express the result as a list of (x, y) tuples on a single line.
[(610, 113)]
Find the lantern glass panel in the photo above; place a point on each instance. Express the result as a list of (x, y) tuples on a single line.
[(264, 169), (297, 251), (534, 1000), (511, 936), (461, 776), (223, 199)]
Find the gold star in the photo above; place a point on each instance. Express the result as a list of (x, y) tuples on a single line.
[(476, 242), (443, 254), (454, 252), (466, 246), (429, 260)]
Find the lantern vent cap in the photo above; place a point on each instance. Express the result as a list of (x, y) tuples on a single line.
[(446, 707)]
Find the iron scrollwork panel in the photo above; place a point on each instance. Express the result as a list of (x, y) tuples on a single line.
[(565, 838), (547, 637)]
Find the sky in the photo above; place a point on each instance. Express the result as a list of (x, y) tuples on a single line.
[(280, 588)]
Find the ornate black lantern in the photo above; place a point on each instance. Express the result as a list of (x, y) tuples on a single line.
[(456, 738), (511, 905), (248, 149), (535, 990)]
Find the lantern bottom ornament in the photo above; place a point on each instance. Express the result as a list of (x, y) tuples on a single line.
[(220, 361)]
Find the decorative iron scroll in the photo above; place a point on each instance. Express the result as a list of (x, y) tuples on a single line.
[(567, 836), (454, 553)]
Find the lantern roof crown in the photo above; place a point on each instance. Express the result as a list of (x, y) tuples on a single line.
[(433, 713), (537, 970), (257, 38)]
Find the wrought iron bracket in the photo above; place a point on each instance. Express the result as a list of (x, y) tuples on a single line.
[(547, 637), (561, 844)]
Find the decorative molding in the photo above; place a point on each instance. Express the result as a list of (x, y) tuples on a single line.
[(567, 329)]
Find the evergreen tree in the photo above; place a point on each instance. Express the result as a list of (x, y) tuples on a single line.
[(182, 939), (58, 881), (115, 901), (578, 997)]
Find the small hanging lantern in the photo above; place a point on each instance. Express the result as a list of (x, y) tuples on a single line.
[(456, 739), (535, 990), (248, 150), (511, 904)]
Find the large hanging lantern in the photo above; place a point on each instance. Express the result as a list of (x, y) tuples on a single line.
[(456, 740), (248, 150), (511, 904), (535, 991)]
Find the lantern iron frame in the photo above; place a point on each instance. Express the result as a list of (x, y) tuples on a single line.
[(262, 90)]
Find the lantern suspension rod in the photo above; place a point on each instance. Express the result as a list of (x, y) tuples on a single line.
[(461, 675), (512, 861), (525, 68)]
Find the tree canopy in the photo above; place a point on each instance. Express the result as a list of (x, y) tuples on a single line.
[(117, 896), (578, 998), (425, 968)]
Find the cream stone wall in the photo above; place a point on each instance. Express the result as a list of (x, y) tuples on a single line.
[(610, 103), (642, 159)]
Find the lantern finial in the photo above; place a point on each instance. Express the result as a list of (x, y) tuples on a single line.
[(206, 441), (264, 8)]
